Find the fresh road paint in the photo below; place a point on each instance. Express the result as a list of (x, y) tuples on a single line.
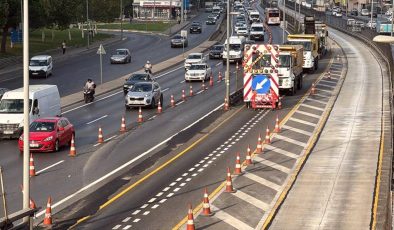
[(51, 166), (90, 122), (165, 90)]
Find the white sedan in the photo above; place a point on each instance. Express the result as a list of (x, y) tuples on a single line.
[(199, 72)]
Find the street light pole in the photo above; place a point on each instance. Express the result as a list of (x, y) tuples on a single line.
[(284, 21), (26, 118), (87, 20), (392, 19), (121, 19), (182, 11), (371, 12), (227, 77)]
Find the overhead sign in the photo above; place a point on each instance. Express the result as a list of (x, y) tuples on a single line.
[(261, 84), (101, 50)]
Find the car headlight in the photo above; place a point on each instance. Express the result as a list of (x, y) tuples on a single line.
[(148, 95), (48, 138)]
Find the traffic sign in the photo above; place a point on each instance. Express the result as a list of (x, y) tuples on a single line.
[(101, 50), (261, 84), (184, 33)]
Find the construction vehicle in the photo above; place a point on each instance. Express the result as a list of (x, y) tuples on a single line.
[(261, 76), (290, 69), (321, 31), (311, 48)]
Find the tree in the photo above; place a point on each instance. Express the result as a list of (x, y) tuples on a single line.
[(8, 19)]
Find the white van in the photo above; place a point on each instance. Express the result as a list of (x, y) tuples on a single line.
[(40, 66), (236, 45), (257, 31), (44, 102)]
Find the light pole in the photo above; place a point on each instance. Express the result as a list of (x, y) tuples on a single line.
[(227, 77), (26, 118), (284, 21), (121, 19), (87, 21), (392, 19), (182, 10), (371, 12)]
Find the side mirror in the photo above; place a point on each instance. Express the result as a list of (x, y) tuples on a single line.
[(61, 128), (35, 111)]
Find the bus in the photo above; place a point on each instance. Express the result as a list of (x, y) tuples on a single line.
[(272, 16)]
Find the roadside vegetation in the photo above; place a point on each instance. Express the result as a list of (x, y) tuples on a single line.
[(140, 26)]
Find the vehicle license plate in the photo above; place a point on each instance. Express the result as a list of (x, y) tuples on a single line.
[(8, 132)]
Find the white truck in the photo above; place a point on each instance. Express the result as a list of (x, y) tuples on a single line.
[(236, 49), (310, 44), (257, 31), (290, 69)]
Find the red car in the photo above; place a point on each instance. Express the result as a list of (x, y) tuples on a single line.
[(49, 134)]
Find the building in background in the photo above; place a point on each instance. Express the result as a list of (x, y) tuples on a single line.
[(158, 10)]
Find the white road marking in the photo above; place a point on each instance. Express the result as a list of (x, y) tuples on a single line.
[(290, 140), (127, 227), (194, 174), (108, 139), (183, 81), (281, 151), (262, 181), (155, 206), (185, 174), (232, 221), (200, 170), (318, 101), (302, 121), (308, 114), (81, 106), (126, 219), (165, 90), (177, 189), (272, 164), (324, 90), (218, 64), (170, 195), (182, 184), (146, 213), (159, 194), (178, 179), (136, 220), (162, 201), (50, 166), (117, 226), (297, 130), (172, 184), (179, 103), (251, 200), (322, 95), (136, 212), (173, 70), (152, 200), (312, 107), (191, 169), (90, 122), (144, 206), (166, 189), (197, 165)]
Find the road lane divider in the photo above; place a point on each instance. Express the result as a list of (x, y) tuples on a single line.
[(102, 117), (49, 167)]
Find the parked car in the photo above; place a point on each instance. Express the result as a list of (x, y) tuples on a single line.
[(194, 58), (48, 134), (135, 78), (179, 41), (216, 51), (364, 12), (40, 66), (354, 12), (195, 27), (199, 71), (144, 94), (2, 91), (121, 56)]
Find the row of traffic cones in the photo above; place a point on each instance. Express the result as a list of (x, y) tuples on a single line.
[(48, 211)]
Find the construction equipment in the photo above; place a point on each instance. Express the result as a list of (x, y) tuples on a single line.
[(321, 31), (311, 49), (290, 69)]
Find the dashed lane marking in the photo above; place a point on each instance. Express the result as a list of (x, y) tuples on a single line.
[(322, 95), (325, 85), (297, 130), (126, 219), (251, 200), (302, 121), (136, 212), (165, 90), (237, 224), (183, 81), (324, 90), (326, 81), (127, 227), (136, 220), (262, 181), (90, 122), (307, 114), (50, 166), (117, 227), (318, 101), (271, 164), (287, 139), (312, 107)]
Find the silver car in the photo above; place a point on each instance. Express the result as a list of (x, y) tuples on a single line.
[(121, 56), (144, 94)]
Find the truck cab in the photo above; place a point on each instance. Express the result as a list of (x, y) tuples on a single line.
[(311, 47), (290, 69)]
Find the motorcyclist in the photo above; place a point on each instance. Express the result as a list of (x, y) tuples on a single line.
[(90, 85), (148, 67)]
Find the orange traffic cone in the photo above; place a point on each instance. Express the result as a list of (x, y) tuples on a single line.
[(183, 95), (32, 170), (277, 128), (206, 208), (190, 219), (280, 104), (191, 91), (329, 75), (123, 125), (248, 160), (229, 182), (313, 89), (259, 147), (203, 86), (225, 106), (140, 118), (48, 213), (73, 151), (172, 101), (100, 136), (211, 80), (267, 136), (220, 77), (159, 108), (238, 169), (32, 204)]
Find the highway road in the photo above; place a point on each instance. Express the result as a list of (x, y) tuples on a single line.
[(157, 198)]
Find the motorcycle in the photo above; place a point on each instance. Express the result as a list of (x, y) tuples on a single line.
[(88, 95)]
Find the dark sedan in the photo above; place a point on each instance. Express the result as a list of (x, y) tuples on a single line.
[(134, 78), (196, 27), (216, 51)]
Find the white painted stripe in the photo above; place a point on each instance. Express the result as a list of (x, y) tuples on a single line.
[(302, 121), (146, 213), (136, 220), (281, 151), (297, 130), (318, 101), (136, 212), (324, 90), (126, 219), (188, 179), (177, 189), (165, 90), (313, 107), (173, 70), (90, 122), (108, 139), (179, 103), (155, 206), (95, 101), (172, 184), (253, 201), (325, 85), (182, 184), (117, 226), (144, 206), (183, 81), (50, 166), (166, 189), (127, 227), (302, 144), (151, 200), (307, 114), (162, 201), (178, 179), (170, 195), (159, 194), (227, 218), (322, 95), (185, 174), (272, 164), (327, 81), (263, 181)]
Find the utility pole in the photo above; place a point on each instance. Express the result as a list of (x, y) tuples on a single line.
[(371, 12), (227, 77), (284, 21), (121, 19), (182, 10), (87, 20), (392, 19), (26, 118)]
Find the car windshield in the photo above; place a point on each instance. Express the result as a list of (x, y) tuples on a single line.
[(177, 37), (235, 47), (284, 60), (121, 52), (194, 56), (306, 44), (138, 77), (257, 28), (141, 88), (42, 126), (255, 16), (197, 67), (195, 24), (217, 48), (38, 63), (274, 14), (12, 106)]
